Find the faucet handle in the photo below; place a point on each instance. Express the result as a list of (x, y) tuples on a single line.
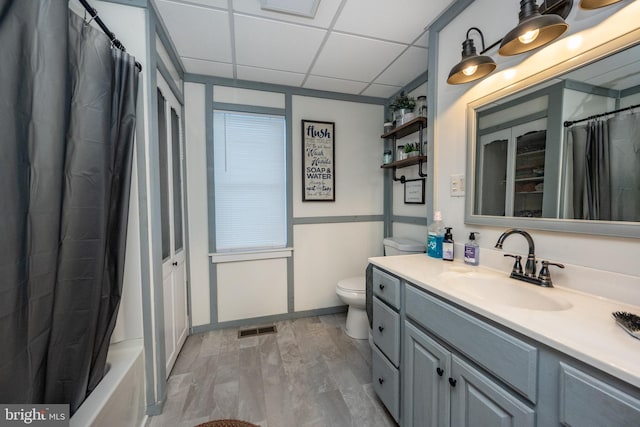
[(545, 276), (517, 265)]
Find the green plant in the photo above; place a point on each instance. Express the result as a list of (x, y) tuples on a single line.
[(402, 101), (408, 148)]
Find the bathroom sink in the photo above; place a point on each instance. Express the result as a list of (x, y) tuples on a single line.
[(505, 291)]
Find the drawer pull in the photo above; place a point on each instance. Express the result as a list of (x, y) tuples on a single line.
[(452, 382), (440, 371), (381, 286), (381, 328), (380, 380)]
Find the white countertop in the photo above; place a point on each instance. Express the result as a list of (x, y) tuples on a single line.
[(585, 331)]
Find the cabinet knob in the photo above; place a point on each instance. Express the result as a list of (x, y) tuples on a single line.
[(381, 286), (174, 263), (380, 380), (452, 382), (440, 371), (381, 328)]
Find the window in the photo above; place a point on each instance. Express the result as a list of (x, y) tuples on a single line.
[(249, 181)]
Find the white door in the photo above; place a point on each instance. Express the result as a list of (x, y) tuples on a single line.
[(174, 286)]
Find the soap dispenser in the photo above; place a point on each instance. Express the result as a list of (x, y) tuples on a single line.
[(447, 245), (435, 235), (472, 250)]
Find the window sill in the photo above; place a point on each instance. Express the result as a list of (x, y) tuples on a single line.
[(221, 257)]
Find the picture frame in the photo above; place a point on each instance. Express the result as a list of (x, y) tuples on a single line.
[(414, 191), (318, 161)]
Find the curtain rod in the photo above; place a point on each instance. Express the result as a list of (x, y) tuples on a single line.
[(595, 116), (112, 37)]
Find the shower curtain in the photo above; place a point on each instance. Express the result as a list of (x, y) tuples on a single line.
[(67, 116), (602, 170)]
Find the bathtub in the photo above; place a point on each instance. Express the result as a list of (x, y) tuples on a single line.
[(119, 398)]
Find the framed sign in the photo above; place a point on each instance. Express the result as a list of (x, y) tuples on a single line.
[(414, 191), (318, 161)]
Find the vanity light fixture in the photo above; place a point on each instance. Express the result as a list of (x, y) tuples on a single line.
[(534, 29), (472, 66), (596, 4)]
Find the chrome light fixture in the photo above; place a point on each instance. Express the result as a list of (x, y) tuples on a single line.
[(534, 29), (472, 66), (596, 4)]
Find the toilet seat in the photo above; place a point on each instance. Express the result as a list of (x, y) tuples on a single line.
[(353, 284)]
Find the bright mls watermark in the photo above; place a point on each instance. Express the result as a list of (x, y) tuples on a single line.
[(34, 415)]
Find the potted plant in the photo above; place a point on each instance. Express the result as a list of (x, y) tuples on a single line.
[(402, 107), (411, 150)]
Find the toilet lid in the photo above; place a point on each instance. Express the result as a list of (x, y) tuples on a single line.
[(353, 284)]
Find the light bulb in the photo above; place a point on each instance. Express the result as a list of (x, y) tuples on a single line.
[(529, 36), (470, 70)]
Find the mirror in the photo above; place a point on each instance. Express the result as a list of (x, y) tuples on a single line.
[(536, 160)]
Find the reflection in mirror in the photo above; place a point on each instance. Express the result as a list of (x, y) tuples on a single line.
[(566, 148)]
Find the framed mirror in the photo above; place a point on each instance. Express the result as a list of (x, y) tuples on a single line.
[(548, 153)]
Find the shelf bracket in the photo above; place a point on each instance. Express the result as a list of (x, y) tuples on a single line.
[(402, 179), (420, 173)]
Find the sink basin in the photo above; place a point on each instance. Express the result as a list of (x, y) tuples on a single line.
[(505, 291)]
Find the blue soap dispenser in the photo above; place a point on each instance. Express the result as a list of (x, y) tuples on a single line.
[(472, 250), (435, 235)]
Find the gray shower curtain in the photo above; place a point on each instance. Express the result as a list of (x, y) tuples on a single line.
[(67, 117), (603, 170)]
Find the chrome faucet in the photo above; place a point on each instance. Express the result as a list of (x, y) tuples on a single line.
[(529, 275)]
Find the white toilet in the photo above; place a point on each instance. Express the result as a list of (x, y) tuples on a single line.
[(352, 291)]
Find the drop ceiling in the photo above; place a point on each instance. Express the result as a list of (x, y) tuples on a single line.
[(361, 47)]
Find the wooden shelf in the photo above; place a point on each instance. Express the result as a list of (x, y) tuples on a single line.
[(407, 128), (406, 162)]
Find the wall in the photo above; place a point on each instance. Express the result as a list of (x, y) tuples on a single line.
[(590, 28), (330, 241)]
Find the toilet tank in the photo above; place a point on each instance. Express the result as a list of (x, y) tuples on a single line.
[(402, 246)]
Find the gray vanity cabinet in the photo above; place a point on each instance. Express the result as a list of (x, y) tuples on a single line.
[(442, 389), (385, 362), (426, 368)]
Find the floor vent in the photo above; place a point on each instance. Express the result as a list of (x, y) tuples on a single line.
[(260, 330)]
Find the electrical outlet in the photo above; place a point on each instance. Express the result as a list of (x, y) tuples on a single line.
[(457, 186)]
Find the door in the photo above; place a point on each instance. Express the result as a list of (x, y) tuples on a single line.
[(426, 369), (174, 285), (478, 401)]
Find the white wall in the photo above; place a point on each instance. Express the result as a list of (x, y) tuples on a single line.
[(326, 253), (258, 288), (606, 253)]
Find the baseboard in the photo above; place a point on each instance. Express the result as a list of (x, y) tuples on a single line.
[(268, 319)]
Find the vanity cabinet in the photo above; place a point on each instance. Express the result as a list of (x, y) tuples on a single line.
[(441, 387), (452, 367), (587, 401), (385, 362)]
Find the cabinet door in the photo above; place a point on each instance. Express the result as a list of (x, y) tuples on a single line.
[(426, 368), (478, 401)]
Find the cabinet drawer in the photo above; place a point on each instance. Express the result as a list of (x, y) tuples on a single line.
[(386, 382), (508, 358), (587, 401), (386, 287), (386, 330)]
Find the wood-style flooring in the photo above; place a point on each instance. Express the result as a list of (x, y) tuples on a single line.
[(308, 374)]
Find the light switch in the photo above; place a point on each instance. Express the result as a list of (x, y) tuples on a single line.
[(457, 185)]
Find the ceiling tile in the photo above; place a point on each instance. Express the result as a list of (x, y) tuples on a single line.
[(334, 85), (423, 41), (208, 68), (381, 91), (400, 20), (275, 45), (324, 15), (269, 76), (406, 68), (197, 32), (342, 57)]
